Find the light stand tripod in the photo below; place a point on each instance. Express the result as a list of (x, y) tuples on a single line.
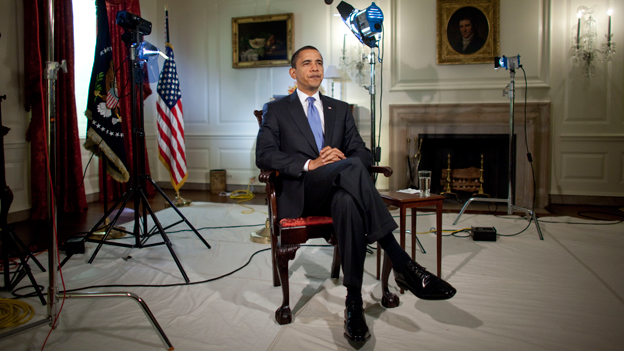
[(137, 192), (509, 200)]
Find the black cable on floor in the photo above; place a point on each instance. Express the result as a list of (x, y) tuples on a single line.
[(171, 285)]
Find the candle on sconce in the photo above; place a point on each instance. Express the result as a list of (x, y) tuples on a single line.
[(578, 28), (610, 12)]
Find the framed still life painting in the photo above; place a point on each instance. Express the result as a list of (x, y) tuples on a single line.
[(262, 41)]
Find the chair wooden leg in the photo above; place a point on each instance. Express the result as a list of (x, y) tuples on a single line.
[(335, 270), (283, 254), (378, 258), (389, 300), (276, 280)]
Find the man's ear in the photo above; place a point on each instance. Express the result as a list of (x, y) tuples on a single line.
[(292, 73)]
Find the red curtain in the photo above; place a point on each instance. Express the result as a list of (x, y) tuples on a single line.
[(120, 53), (70, 197)]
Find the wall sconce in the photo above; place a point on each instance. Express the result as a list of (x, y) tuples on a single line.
[(332, 73), (585, 49)]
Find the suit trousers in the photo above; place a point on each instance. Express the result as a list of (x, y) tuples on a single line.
[(345, 191)]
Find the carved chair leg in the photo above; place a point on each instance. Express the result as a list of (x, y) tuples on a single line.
[(276, 280), (283, 254), (335, 270), (389, 300)]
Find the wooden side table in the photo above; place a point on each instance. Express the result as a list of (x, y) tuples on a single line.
[(404, 201)]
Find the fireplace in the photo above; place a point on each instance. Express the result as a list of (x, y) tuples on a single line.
[(464, 152), (480, 121)]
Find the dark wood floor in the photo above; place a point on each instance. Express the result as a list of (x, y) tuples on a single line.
[(35, 234)]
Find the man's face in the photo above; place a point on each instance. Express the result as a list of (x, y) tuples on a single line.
[(308, 71), (465, 27)]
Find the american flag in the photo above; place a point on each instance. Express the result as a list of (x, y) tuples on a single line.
[(171, 122)]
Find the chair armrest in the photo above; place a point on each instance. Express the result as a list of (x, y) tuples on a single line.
[(387, 171)]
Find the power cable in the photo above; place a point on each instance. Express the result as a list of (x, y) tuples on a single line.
[(14, 313)]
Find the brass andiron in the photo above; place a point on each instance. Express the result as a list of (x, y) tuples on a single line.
[(448, 191), (480, 192), (417, 145), (412, 165)]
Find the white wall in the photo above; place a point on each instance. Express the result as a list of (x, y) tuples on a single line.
[(587, 114)]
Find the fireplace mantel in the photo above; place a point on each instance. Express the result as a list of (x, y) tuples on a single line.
[(408, 121)]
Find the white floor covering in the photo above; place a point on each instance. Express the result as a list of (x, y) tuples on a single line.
[(518, 293)]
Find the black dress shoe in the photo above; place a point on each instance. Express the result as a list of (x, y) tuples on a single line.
[(423, 284), (355, 323)]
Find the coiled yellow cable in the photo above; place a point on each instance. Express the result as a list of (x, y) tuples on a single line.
[(14, 312), (244, 195)]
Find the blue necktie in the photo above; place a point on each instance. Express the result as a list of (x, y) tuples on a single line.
[(315, 123)]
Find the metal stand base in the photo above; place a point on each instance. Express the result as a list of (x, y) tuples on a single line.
[(510, 208), (132, 296), (141, 239), (12, 241)]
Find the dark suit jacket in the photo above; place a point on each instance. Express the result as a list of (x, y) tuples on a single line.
[(285, 142)]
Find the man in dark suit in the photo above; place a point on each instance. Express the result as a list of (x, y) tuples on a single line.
[(323, 163)]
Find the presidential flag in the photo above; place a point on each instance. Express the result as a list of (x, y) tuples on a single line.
[(171, 149), (104, 131)]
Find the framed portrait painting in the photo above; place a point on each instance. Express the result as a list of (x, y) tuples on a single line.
[(262, 41), (467, 31)]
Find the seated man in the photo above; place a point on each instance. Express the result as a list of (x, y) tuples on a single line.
[(313, 142)]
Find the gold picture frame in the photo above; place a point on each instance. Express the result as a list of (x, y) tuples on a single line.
[(457, 19), (262, 41)]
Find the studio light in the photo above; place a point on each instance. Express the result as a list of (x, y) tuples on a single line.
[(132, 22), (147, 55), (508, 63), (147, 50), (365, 24)]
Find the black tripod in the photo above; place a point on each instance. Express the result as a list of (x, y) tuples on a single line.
[(137, 192), (10, 241)]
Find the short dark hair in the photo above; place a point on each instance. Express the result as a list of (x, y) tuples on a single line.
[(471, 19), (293, 60)]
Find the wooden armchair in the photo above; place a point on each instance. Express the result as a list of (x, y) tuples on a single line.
[(289, 233)]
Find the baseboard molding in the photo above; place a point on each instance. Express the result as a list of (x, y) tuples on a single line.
[(206, 186), (24, 215), (18, 216), (587, 200), (93, 197)]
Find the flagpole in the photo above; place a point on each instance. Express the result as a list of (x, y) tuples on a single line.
[(179, 200), (166, 25)]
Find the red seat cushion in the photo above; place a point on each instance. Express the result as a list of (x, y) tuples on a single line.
[(304, 221)]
